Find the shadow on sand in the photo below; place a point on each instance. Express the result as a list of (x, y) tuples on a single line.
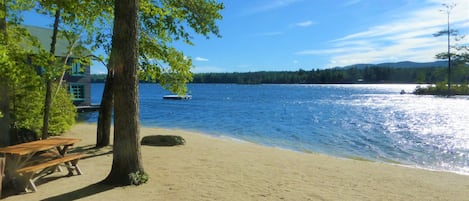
[(82, 193), (92, 189), (90, 151)]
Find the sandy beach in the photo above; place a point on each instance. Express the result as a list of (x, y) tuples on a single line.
[(209, 168)]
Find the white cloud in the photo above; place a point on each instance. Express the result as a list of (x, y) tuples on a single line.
[(305, 23), (201, 59), (337, 50), (406, 38)]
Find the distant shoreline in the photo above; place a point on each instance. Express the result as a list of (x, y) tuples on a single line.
[(405, 73)]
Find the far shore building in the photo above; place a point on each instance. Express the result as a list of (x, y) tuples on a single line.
[(78, 78)]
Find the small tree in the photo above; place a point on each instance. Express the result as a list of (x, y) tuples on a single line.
[(76, 17), (22, 94), (456, 55), (449, 32)]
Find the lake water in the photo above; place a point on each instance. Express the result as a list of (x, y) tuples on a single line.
[(372, 122)]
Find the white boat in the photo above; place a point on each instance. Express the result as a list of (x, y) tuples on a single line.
[(177, 97)]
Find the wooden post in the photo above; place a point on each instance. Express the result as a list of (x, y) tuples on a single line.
[(2, 171)]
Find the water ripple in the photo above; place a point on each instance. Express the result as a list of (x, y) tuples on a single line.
[(367, 121)]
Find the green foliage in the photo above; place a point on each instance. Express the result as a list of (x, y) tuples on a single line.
[(441, 89), (456, 54), (21, 78), (26, 88), (71, 20), (165, 21), (26, 101), (138, 178), (338, 76), (63, 112), (26, 105), (161, 23)]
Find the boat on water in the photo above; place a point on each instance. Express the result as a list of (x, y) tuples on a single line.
[(177, 97)]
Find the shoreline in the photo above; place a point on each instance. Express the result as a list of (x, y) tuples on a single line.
[(349, 157), (211, 168)]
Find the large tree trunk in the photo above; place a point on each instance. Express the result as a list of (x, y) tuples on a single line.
[(48, 99), (5, 117), (4, 95), (103, 132), (4, 108), (124, 60)]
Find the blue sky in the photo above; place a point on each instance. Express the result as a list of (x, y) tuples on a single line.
[(276, 35)]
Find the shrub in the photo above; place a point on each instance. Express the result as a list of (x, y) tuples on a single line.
[(441, 89), (138, 178), (26, 107), (63, 112)]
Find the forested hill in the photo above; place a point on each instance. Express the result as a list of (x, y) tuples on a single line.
[(362, 74), (357, 74), (403, 64)]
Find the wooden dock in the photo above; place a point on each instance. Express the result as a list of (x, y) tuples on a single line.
[(88, 108)]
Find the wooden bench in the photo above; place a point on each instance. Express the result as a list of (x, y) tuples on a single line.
[(34, 172)]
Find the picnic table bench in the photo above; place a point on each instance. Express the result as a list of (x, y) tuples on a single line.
[(28, 162)]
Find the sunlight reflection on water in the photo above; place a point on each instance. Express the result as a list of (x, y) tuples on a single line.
[(426, 130), (373, 122)]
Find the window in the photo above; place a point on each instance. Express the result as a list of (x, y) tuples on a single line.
[(77, 91), (76, 69)]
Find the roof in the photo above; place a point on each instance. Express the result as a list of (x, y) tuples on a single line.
[(44, 35)]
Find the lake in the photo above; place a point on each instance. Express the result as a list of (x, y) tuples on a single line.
[(369, 122)]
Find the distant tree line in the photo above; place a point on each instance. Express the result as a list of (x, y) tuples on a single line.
[(371, 74), (338, 76), (98, 78)]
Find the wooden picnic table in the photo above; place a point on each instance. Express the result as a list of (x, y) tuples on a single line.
[(24, 160)]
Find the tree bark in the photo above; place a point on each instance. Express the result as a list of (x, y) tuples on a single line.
[(4, 91), (48, 99), (103, 132), (124, 60), (5, 109)]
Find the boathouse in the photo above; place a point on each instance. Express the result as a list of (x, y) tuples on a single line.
[(78, 78)]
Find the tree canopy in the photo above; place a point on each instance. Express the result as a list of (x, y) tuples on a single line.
[(161, 23), (23, 61), (143, 32)]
